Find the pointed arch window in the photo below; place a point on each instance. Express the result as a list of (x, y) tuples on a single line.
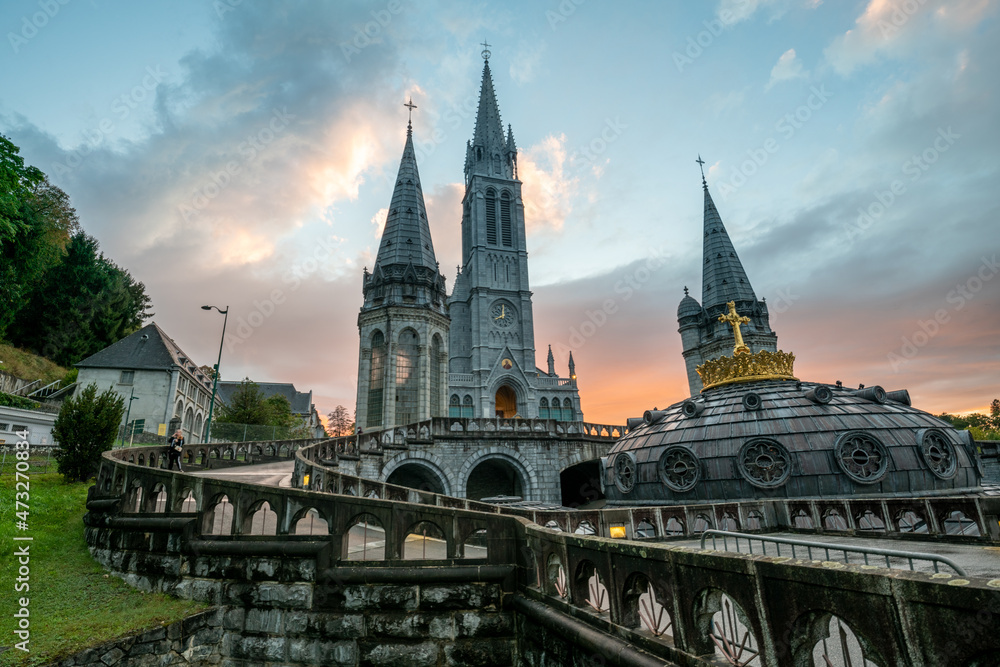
[(543, 408), (376, 380), (491, 217), (435, 378), (467, 407), (407, 373), (455, 406), (506, 228)]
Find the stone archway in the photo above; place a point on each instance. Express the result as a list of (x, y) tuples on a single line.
[(494, 477), (416, 475), (505, 402)]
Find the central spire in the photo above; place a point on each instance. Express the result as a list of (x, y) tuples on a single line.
[(723, 277), (491, 152)]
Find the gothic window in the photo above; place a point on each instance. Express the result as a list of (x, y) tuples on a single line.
[(467, 407), (491, 217), (679, 468), (506, 229), (407, 377), (435, 374), (455, 406), (543, 408), (496, 164), (764, 463), (862, 457), (376, 380), (625, 471)]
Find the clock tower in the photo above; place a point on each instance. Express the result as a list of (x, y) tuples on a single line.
[(492, 339)]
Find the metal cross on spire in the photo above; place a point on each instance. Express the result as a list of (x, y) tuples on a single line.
[(411, 106), (701, 165), (486, 50)]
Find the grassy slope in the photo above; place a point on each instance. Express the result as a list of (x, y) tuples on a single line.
[(74, 602), (29, 366)]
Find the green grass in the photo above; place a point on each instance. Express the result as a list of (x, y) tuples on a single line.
[(28, 366), (75, 603)]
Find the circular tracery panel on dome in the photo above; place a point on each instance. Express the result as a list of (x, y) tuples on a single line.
[(862, 457), (625, 471), (937, 452), (679, 468), (764, 463)]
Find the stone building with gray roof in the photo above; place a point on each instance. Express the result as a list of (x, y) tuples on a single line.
[(166, 384), (301, 402)]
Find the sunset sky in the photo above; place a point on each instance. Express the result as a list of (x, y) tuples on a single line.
[(243, 154)]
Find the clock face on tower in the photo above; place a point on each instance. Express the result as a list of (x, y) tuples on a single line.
[(502, 314)]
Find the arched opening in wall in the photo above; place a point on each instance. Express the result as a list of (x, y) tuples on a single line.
[(376, 380), (188, 502), (870, 522), (674, 526), (727, 628), (911, 522), (135, 500), (492, 478), (837, 644), (219, 520), (311, 523), (425, 541), (755, 520), (585, 528), (416, 476), (198, 423), (956, 523), (435, 376), (159, 498), (589, 587), (263, 521), (832, 520), (645, 530), (642, 609), (365, 539), (189, 425), (505, 402), (581, 485), (475, 545)]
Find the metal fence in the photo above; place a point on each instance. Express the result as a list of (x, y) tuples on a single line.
[(41, 459)]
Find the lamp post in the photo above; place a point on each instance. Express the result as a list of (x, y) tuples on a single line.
[(215, 384)]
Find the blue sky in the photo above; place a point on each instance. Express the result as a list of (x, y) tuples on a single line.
[(242, 153)]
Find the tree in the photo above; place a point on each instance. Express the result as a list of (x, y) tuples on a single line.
[(80, 306), (340, 422), (246, 406), (995, 414), (86, 426)]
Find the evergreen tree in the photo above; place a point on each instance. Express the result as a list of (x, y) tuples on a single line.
[(86, 426), (246, 406)]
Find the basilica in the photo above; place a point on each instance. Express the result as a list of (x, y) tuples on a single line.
[(425, 353)]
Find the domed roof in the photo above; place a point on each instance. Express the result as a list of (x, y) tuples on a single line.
[(787, 439), (688, 306)]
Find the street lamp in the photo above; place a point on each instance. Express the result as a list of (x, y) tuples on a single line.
[(215, 385)]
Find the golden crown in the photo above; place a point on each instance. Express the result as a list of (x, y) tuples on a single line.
[(745, 367)]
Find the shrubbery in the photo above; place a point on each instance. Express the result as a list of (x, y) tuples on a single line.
[(86, 426)]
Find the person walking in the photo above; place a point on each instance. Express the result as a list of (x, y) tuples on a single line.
[(174, 448)]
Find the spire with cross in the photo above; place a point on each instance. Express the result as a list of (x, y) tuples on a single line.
[(411, 106), (486, 50), (701, 165)]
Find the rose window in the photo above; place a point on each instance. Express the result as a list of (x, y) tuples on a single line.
[(679, 468), (862, 457), (765, 463)]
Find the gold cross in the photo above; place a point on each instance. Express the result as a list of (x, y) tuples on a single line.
[(735, 321)]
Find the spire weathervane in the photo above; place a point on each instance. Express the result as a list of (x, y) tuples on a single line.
[(411, 106), (735, 320), (701, 165), (486, 50)]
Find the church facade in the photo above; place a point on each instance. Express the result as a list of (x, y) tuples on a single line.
[(424, 354), (703, 335)]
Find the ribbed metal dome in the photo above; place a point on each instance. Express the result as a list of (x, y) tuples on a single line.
[(788, 439)]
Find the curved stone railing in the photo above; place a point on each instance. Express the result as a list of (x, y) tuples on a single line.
[(624, 600)]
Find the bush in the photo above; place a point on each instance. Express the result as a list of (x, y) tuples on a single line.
[(86, 426), (11, 401)]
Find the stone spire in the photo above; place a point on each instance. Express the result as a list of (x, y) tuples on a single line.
[(723, 277), (572, 367), (406, 238), (491, 149), (552, 363)]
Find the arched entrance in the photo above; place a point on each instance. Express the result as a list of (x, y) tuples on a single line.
[(505, 402), (581, 485), (416, 476), (494, 477)]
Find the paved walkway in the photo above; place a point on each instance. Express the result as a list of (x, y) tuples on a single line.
[(975, 559)]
